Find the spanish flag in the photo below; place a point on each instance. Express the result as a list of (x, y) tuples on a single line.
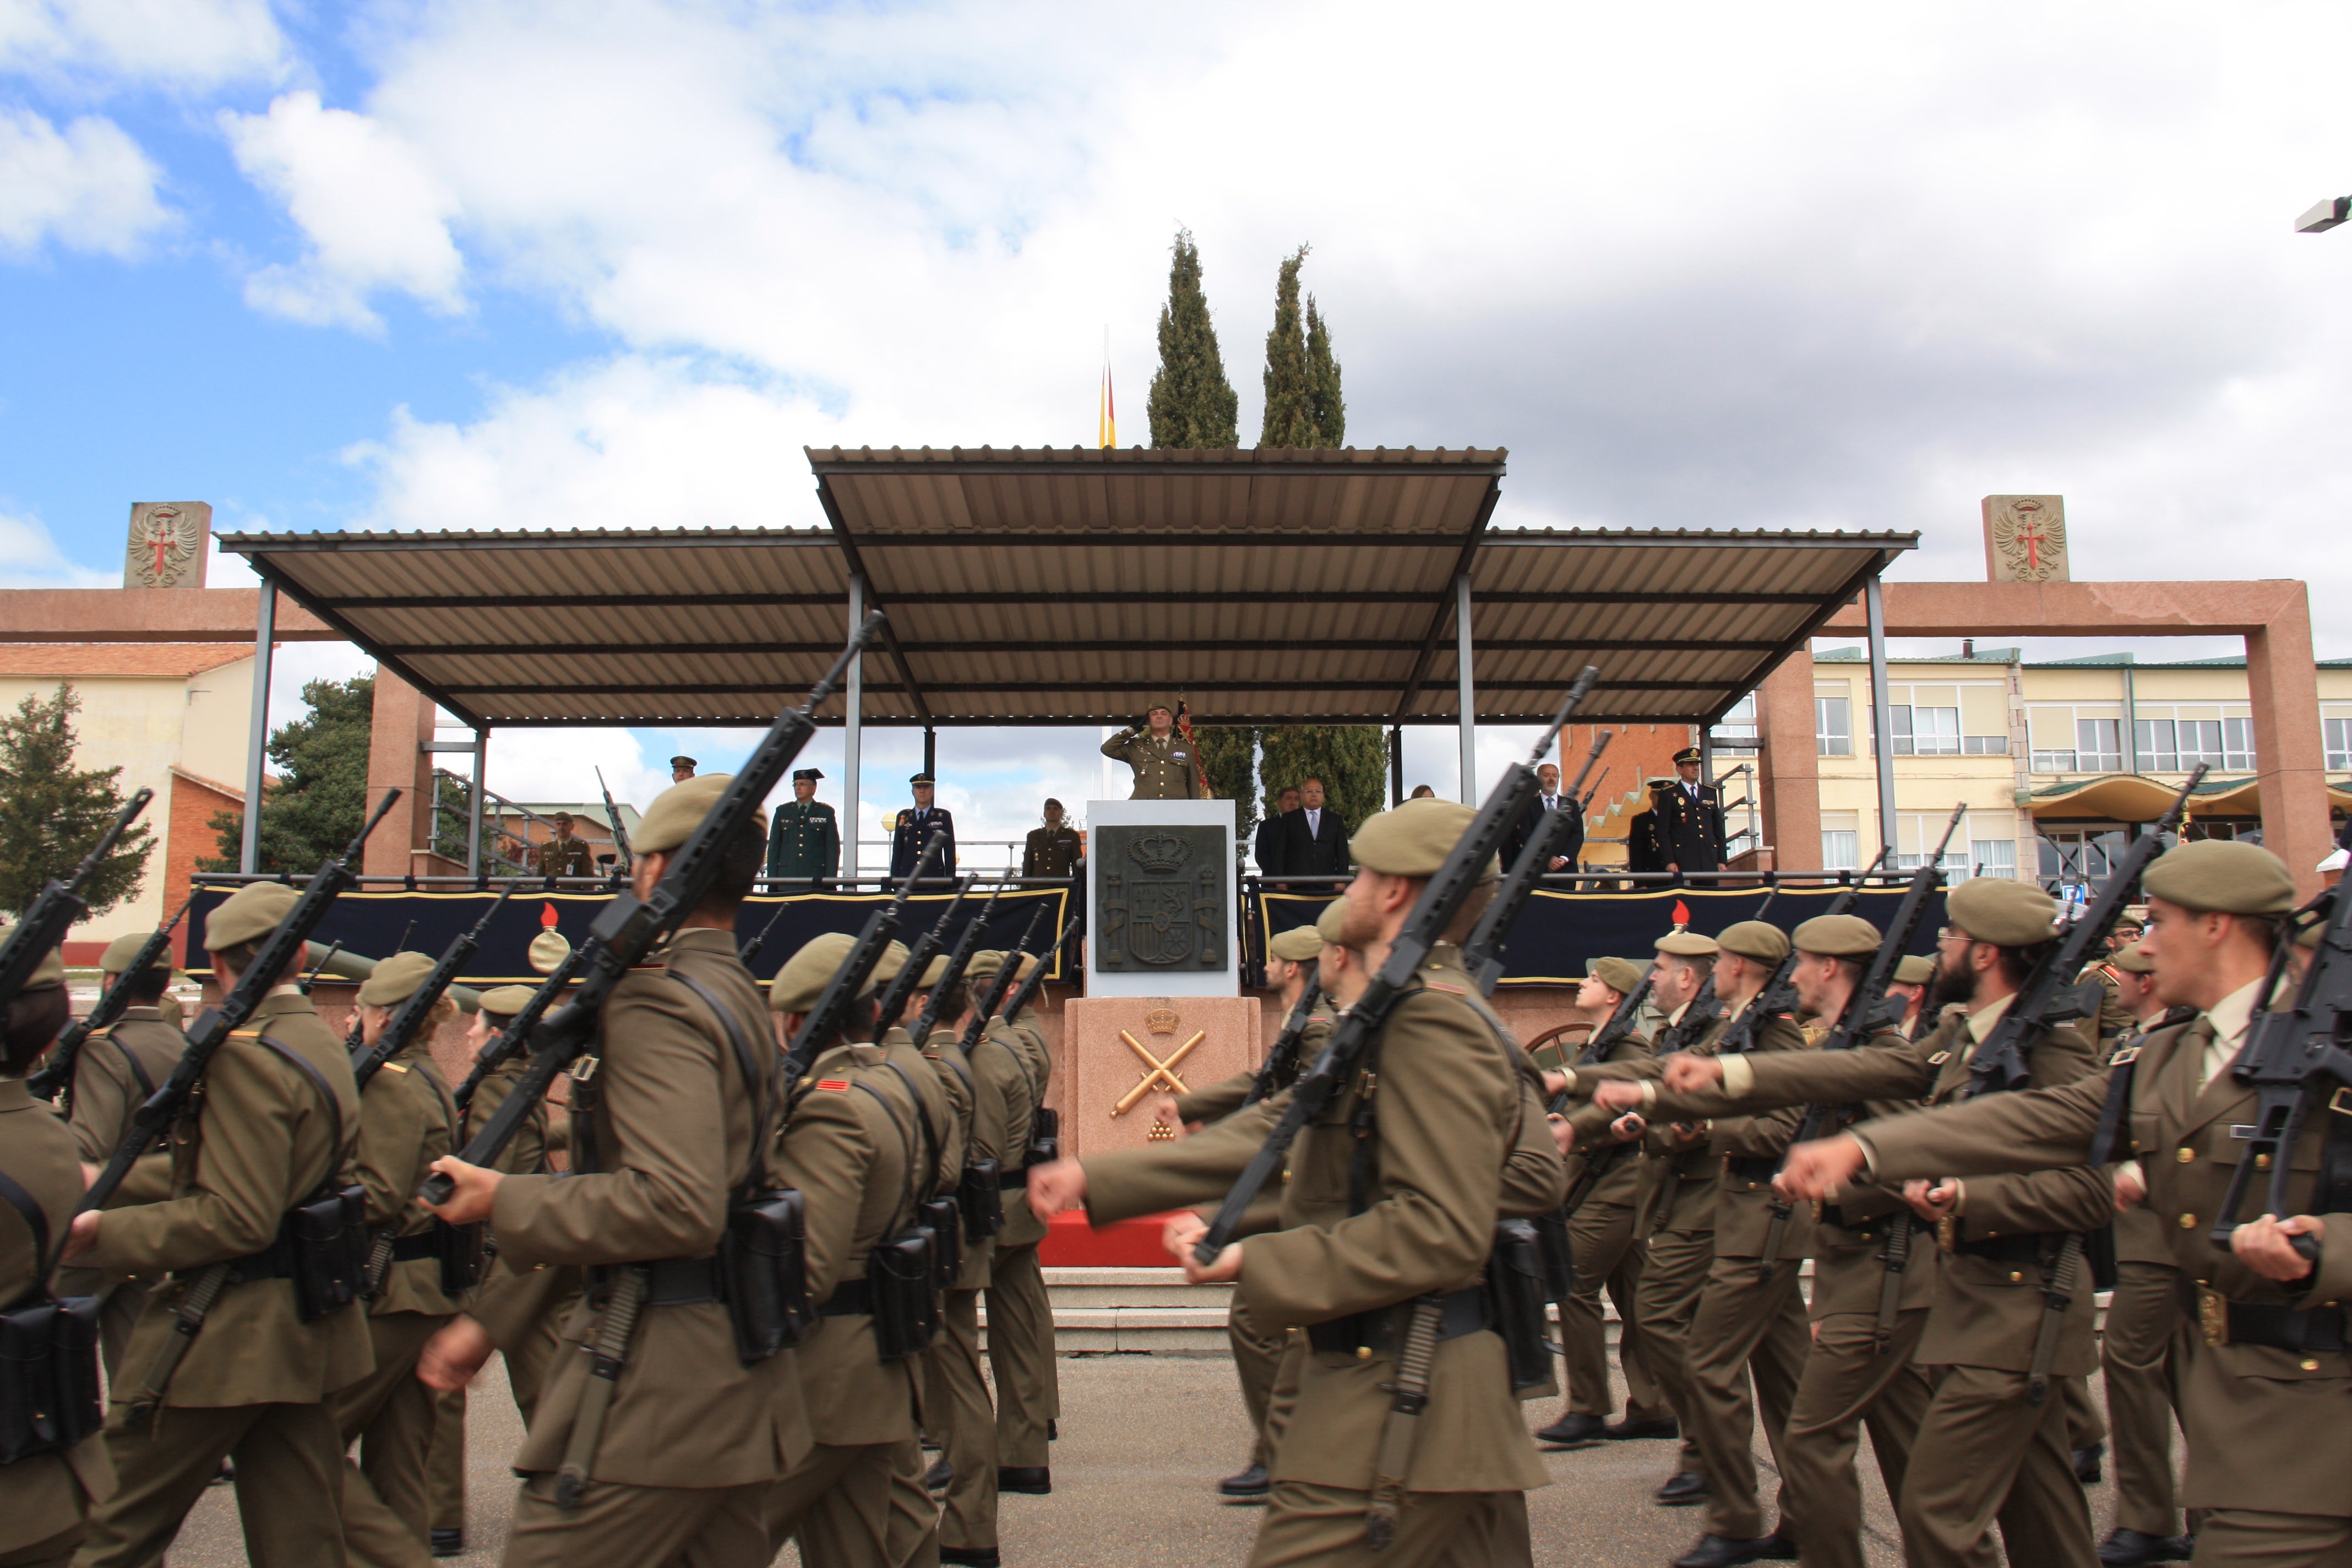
[(1107, 426)]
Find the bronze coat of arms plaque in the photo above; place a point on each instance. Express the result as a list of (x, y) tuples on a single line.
[(1160, 898)]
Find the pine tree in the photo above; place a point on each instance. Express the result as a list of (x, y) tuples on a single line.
[(1192, 403), (1228, 760), (1352, 761), (1289, 405), (52, 813), (1326, 405), (315, 806)]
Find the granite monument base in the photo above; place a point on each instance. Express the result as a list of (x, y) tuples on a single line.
[(1114, 1047)]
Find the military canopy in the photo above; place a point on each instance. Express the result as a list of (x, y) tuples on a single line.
[(1039, 586)]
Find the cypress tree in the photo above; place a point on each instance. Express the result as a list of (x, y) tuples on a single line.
[(52, 812), (1325, 405), (1289, 402), (1192, 403), (1228, 758), (1352, 761), (320, 794)]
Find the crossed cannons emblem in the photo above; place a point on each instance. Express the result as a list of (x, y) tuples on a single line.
[(1160, 1074)]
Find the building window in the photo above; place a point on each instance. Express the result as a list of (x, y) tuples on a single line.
[(2079, 857), (1985, 746), (2339, 743), (1735, 730), (2098, 746), (2238, 744), (1840, 849), (1993, 857), (1934, 732), (1833, 726), (2159, 750)]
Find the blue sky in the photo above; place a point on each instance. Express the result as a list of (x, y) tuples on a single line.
[(482, 263)]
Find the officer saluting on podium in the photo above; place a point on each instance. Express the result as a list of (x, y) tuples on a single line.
[(1165, 767)]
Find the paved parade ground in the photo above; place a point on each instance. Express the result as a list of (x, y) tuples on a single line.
[(1144, 1439)]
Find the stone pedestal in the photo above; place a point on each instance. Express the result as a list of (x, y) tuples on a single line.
[(1100, 1068)]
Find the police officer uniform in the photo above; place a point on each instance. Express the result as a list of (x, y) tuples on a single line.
[(913, 829), (1165, 769), (1686, 820), (804, 840)]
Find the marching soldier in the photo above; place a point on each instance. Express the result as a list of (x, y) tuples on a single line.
[(914, 828), (1020, 1316), (1607, 1251), (406, 1121), (678, 1116), (2263, 1399), (1687, 818), (1165, 767), (275, 1127), (564, 856), (805, 841), (857, 1147), (118, 1069), (1913, 975), (2001, 1318), (44, 1497), (1448, 1118), (1054, 849)]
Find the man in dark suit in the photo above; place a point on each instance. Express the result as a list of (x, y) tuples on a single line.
[(1547, 798), (914, 828), (1687, 817), (1313, 841), (1267, 851)]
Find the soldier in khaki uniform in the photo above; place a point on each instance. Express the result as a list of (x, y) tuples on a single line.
[(1912, 975), (1985, 1450), (118, 1069), (44, 1497), (1020, 1317), (1450, 1113), (680, 1114), (1867, 1315), (1607, 1251), (1675, 1212), (564, 856), (407, 1120), (855, 1148), (1054, 849), (275, 1126), (1744, 1322), (2264, 1401), (1165, 767)]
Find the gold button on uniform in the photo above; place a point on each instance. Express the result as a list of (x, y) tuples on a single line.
[(2262, 1162), (2189, 1222), (2310, 1365), (2186, 1156), (2015, 1277)]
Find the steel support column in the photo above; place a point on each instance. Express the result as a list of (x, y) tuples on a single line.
[(851, 728), (1396, 764), (1881, 718), (257, 750), (932, 750), (474, 806), (1467, 688)]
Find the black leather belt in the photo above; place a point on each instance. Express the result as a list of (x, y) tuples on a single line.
[(849, 1299), (1833, 1214), (274, 1261), (682, 1281), (2280, 1328), (1009, 1180), (2004, 1248), (415, 1248), (1464, 1312), (1752, 1167)]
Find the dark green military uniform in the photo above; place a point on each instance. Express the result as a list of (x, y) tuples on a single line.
[(804, 840), (1164, 769)]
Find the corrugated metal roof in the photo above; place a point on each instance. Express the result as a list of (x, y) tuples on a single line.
[(1039, 586)]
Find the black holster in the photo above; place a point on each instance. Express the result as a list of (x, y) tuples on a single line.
[(1558, 1255), (982, 1202), (1044, 1137), (763, 1272), (945, 1221), (2099, 1257), (326, 1246), (1515, 1288), (900, 1293), (464, 1252), (49, 1397)]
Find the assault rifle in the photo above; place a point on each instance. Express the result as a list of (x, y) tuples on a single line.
[(998, 985), (1482, 953), (825, 1018), (57, 1073), (309, 981), (958, 959), (760, 941), (632, 927), (1028, 988), (279, 953), (620, 834), (1864, 1013), (403, 1025), (1440, 901), (1780, 993), (2050, 995), (503, 1045), (1599, 1162), (58, 906), (901, 989), (1281, 1064)]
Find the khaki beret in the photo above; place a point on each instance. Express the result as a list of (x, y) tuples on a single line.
[(1914, 969), (2132, 961), (1686, 944), (1764, 942), (506, 1001), (985, 963), (395, 979), (1299, 944), (1413, 839), (894, 959), (250, 914), (50, 970), (807, 972), (123, 948), (932, 971), (1838, 936), (547, 951), (1620, 975), (2002, 912), (679, 810), (1332, 921), (2222, 876)]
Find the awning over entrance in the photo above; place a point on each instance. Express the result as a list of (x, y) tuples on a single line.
[(1039, 586)]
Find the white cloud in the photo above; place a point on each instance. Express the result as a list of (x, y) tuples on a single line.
[(375, 213), (182, 43), (35, 561), (89, 188)]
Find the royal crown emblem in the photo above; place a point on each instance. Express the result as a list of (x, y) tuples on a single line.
[(1160, 853), (1161, 1020)]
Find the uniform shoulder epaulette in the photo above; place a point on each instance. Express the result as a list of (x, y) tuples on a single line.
[(394, 1067), (253, 1033)]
